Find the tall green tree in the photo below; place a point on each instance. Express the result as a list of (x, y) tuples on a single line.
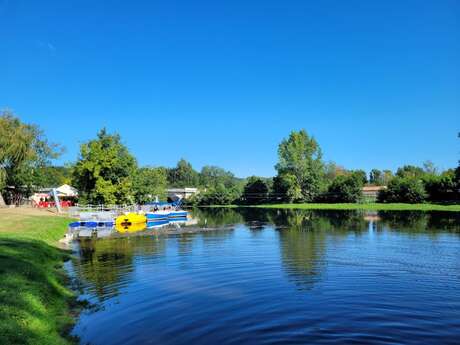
[(387, 176), (286, 188), (52, 176), (149, 183), (442, 187), (300, 156), (255, 191), (24, 148), (211, 175), (183, 175), (376, 177), (104, 171), (361, 174), (332, 170), (410, 171)]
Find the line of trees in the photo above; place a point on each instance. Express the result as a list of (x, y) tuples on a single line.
[(107, 173)]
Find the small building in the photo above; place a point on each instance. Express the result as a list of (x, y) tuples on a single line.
[(370, 193), (181, 193)]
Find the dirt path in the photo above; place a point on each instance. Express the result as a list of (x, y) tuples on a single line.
[(27, 211)]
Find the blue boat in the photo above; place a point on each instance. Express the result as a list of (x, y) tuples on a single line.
[(157, 215), (178, 214), (156, 224), (91, 224), (74, 225)]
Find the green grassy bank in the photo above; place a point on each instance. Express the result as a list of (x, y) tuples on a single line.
[(35, 304), (371, 207)]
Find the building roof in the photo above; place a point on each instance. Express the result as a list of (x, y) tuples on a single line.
[(182, 190)]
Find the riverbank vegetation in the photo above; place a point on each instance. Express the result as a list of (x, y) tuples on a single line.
[(107, 173), (35, 303)]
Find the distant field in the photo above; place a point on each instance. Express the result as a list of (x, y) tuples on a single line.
[(372, 207)]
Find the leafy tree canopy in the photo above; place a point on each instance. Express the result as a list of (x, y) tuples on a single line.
[(332, 170), (410, 171), (299, 156), (404, 189), (183, 175), (104, 171), (211, 175), (376, 177), (149, 183), (52, 176), (345, 188), (23, 149), (286, 188), (361, 174), (216, 195), (255, 191)]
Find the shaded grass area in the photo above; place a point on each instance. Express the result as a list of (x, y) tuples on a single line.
[(370, 206), (35, 304)]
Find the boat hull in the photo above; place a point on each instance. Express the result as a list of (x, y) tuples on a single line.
[(157, 216), (130, 218), (177, 214)]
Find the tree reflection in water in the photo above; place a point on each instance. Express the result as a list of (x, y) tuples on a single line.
[(106, 265), (303, 238), (419, 221), (211, 217)]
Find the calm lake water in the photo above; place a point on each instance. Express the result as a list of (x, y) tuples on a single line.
[(277, 276)]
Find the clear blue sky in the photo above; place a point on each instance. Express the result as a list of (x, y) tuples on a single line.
[(222, 82)]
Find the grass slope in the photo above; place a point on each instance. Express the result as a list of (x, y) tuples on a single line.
[(34, 301)]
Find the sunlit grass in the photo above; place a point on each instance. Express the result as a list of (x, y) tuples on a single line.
[(34, 300)]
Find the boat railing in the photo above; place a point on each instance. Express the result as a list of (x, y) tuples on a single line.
[(99, 211)]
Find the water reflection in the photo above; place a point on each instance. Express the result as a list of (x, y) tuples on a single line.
[(216, 217), (284, 276), (303, 239), (418, 221), (105, 266)]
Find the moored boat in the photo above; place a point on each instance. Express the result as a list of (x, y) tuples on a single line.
[(178, 214), (131, 218), (157, 215)]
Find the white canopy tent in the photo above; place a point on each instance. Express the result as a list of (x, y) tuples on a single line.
[(66, 190)]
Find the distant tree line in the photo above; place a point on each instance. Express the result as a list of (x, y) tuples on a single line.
[(107, 173)]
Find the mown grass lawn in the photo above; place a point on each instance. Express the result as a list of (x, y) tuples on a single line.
[(35, 304)]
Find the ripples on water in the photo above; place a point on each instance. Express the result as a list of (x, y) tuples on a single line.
[(277, 277)]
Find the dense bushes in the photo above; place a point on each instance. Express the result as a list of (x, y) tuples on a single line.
[(215, 195), (344, 188), (441, 188), (405, 190), (415, 186), (255, 191)]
